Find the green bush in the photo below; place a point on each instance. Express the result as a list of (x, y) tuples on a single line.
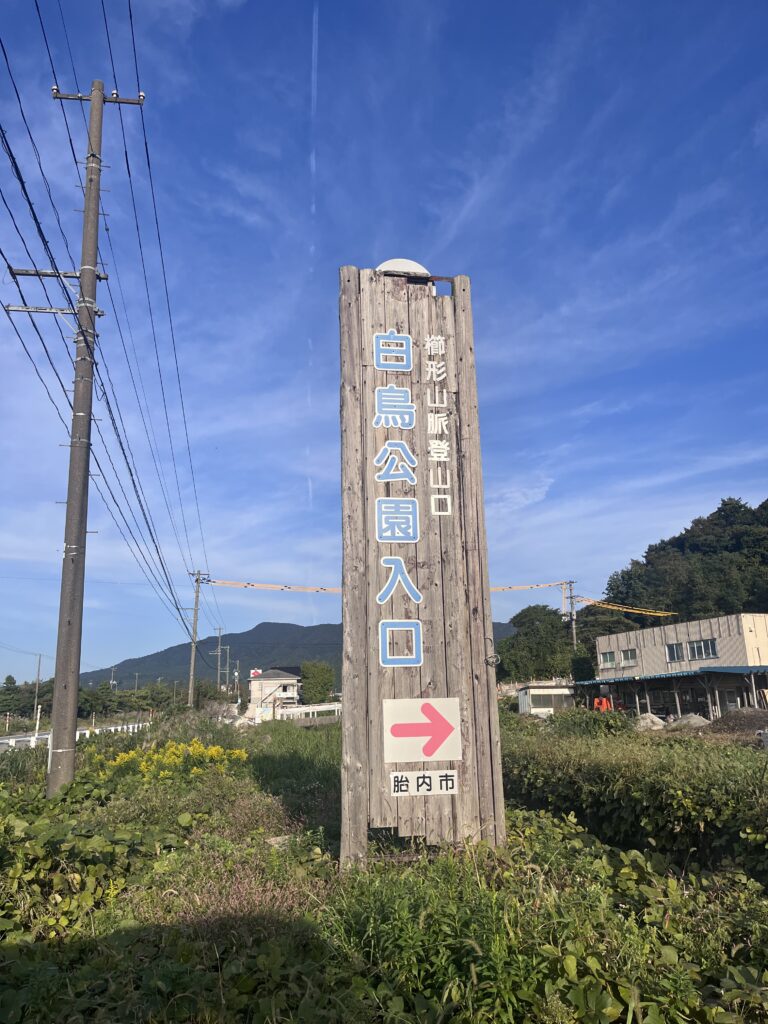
[(555, 928), (580, 722), (199, 898), (689, 799)]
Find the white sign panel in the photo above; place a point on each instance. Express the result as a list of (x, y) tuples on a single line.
[(423, 783), (422, 729)]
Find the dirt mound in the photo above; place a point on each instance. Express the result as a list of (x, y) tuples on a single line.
[(689, 722), (743, 720), (645, 723)]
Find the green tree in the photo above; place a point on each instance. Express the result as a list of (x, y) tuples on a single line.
[(10, 683), (317, 681), (716, 566), (541, 647)]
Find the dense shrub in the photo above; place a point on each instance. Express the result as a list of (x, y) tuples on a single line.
[(580, 722), (197, 897), (691, 800), (555, 928)]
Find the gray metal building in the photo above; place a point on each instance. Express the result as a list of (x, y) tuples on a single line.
[(707, 666)]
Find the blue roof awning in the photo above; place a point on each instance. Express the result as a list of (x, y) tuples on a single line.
[(736, 670)]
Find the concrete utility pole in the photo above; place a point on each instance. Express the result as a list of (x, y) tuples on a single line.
[(226, 669), (61, 748), (572, 605), (61, 768), (193, 651), (217, 652), (37, 685)]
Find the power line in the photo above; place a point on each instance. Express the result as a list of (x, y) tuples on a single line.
[(152, 441), (165, 283), (154, 450), (17, 172), (20, 650), (149, 299), (128, 455), (133, 472)]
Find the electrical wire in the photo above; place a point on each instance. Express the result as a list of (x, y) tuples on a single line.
[(7, 148), (144, 408), (133, 473), (53, 365), (128, 456), (188, 565), (165, 281)]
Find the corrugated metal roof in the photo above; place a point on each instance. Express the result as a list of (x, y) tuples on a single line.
[(741, 670)]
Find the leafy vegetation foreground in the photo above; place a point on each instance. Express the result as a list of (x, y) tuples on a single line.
[(194, 880)]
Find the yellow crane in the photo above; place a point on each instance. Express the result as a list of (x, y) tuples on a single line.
[(621, 607)]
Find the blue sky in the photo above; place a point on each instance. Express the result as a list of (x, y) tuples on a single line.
[(598, 169)]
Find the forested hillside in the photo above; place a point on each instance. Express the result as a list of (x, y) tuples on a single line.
[(717, 566)]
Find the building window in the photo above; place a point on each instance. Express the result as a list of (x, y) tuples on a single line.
[(629, 656), (542, 700), (699, 650), (675, 652), (607, 659)]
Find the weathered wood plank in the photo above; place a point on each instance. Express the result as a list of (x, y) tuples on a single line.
[(410, 811), (434, 677), (380, 681), (409, 308), (354, 767), (455, 606), (481, 626)]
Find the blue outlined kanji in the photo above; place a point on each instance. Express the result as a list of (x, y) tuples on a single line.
[(389, 626), (397, 520), (394, 408), (398, 461), (393, 351), (398, 574)]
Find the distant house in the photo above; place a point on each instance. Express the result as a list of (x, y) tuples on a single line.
[(276, 687), (542, 697)]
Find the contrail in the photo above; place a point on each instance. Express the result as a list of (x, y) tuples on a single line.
[(313, 103), (312, 212)]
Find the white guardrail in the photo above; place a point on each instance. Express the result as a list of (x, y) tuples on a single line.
[(309, 711), (19, 742)]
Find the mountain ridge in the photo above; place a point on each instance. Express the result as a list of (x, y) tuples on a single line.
[(265, 645)]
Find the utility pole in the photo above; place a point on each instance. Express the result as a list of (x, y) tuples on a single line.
[(136, 682), (193, 651), (61, 749), (572, 605), (226, 670), (217, 652), (37, 685)]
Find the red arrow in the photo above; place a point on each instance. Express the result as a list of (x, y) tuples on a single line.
[(437, 728)]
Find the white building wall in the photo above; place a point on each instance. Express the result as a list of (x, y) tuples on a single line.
[(756, 638), (271, 691)]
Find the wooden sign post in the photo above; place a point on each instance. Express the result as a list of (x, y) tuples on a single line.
[(420, 719)]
